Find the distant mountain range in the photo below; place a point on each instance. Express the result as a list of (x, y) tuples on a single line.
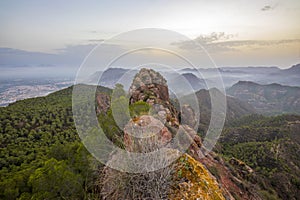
[(294, 70), (71, 57), (199, 77), (109, 77), (261, 75), (268, 99), (183, 81), (260, 87)]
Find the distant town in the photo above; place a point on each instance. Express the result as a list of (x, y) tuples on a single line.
[(13, 93)]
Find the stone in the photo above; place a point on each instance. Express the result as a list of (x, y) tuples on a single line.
[(103, 103), (145, 134)]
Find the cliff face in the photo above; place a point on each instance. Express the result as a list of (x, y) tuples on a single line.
[(189, 176), (103, 103)]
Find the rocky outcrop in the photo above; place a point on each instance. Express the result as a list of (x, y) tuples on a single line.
[(188, 116), (193, 176), (145, 134), (103, 103), (151, 87), (195, 142), (150, 132), (243, 169), (148, 84)]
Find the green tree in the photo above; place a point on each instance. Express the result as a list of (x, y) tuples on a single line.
[(120, 106), (56, 180)]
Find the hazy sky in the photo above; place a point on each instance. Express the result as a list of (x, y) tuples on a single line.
[(236, 32)]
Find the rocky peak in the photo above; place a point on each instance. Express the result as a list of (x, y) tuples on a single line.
[(150, 86), (190, 176), (148, 76)]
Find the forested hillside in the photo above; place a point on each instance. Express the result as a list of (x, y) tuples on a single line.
[(272, 99), (271, 147), (41, 156)]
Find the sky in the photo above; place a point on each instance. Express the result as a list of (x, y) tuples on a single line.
[(234, 32)]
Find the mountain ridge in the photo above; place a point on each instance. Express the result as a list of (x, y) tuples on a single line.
[(268, 99)]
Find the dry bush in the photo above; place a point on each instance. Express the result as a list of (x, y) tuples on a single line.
[(115, 185)]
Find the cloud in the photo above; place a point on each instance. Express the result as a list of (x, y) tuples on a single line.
[(82, 49), (221, 42), (213, 37), (96, 40), (249, 43), (17, 57), (210, 42), (70, 55), (267, 8)]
